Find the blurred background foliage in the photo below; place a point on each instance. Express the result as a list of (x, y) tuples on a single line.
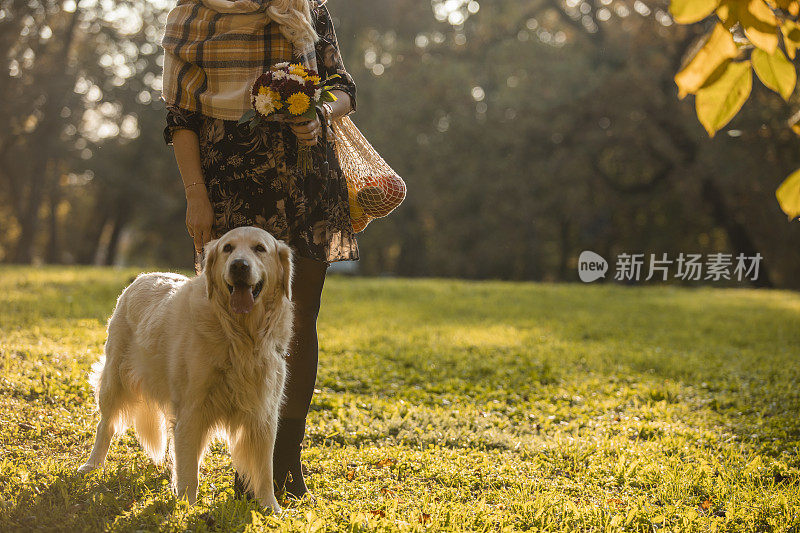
[(526, 130)]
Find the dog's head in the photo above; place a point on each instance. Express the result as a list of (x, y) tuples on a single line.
[(245, 263)]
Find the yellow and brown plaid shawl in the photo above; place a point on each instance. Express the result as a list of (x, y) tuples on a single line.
[(215, 49)]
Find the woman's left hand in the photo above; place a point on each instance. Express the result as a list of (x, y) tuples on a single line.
[(307, 131)]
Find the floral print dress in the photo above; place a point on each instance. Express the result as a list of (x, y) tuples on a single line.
[(253, 179)]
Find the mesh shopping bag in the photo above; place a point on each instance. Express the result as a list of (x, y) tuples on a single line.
[(374, 189)]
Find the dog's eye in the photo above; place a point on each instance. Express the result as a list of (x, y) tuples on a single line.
[(259, 248), (227, 248)]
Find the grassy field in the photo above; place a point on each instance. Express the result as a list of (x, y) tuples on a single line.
[(445, 406)]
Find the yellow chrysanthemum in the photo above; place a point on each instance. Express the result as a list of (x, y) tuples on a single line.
[(296, 68), (298, 103), (276, 98), (263, 90), (314, 79)]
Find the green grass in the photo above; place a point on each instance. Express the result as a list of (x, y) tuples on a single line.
[(445, 405)]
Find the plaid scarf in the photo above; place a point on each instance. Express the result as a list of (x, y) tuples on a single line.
[(215, 49)]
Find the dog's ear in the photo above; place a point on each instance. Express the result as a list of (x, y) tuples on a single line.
[(209, 261), (285, 258)]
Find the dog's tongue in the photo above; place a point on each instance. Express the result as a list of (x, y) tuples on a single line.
[(242, 300)]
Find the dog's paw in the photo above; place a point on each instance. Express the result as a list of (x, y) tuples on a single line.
[(86, 468), (272, 503)]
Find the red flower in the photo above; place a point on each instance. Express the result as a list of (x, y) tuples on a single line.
[(288, 87), (265, 80)]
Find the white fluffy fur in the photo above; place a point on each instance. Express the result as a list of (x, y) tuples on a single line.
[(180, 363)]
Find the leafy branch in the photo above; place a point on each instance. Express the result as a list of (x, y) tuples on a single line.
[(760, 36)]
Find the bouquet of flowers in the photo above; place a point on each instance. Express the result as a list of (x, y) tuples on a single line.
[(288, 90)]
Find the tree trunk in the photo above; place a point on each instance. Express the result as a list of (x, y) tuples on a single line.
[(29, 217), (739, 238), (52, 252), (120, 219), (43, 139), (565, 242)]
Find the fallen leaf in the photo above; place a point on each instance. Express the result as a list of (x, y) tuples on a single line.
[(615, 502)]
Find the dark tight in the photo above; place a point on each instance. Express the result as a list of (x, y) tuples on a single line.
[(309, 278), (302, 360)]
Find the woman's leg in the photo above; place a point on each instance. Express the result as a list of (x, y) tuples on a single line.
[(307, 284), (302, 360)]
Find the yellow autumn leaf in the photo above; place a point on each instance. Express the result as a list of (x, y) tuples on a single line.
[(775, 71), (718, 48), (689, 11), (760, 24), (791, 37), (790, 6), (728, 13), (788, 195), (718, 102)]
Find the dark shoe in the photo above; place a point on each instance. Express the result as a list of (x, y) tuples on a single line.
[(286, 467)]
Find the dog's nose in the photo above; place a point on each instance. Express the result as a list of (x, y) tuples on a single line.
[(240, 268)]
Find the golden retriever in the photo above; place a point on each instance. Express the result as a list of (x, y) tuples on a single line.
[(194, 358)]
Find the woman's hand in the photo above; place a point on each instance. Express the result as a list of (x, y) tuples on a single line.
[(199, 215), (307, 131)]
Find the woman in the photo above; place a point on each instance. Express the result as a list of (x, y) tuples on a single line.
[(234, 176)]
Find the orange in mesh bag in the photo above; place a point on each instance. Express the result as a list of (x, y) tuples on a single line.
[(374, 189)]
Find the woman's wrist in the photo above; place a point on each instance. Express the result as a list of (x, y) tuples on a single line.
[(195, 189)]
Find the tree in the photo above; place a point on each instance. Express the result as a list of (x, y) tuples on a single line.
[(82, 80), (526, 130)]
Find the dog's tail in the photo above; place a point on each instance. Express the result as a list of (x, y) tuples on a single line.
[(151, 429), (122, 403)]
